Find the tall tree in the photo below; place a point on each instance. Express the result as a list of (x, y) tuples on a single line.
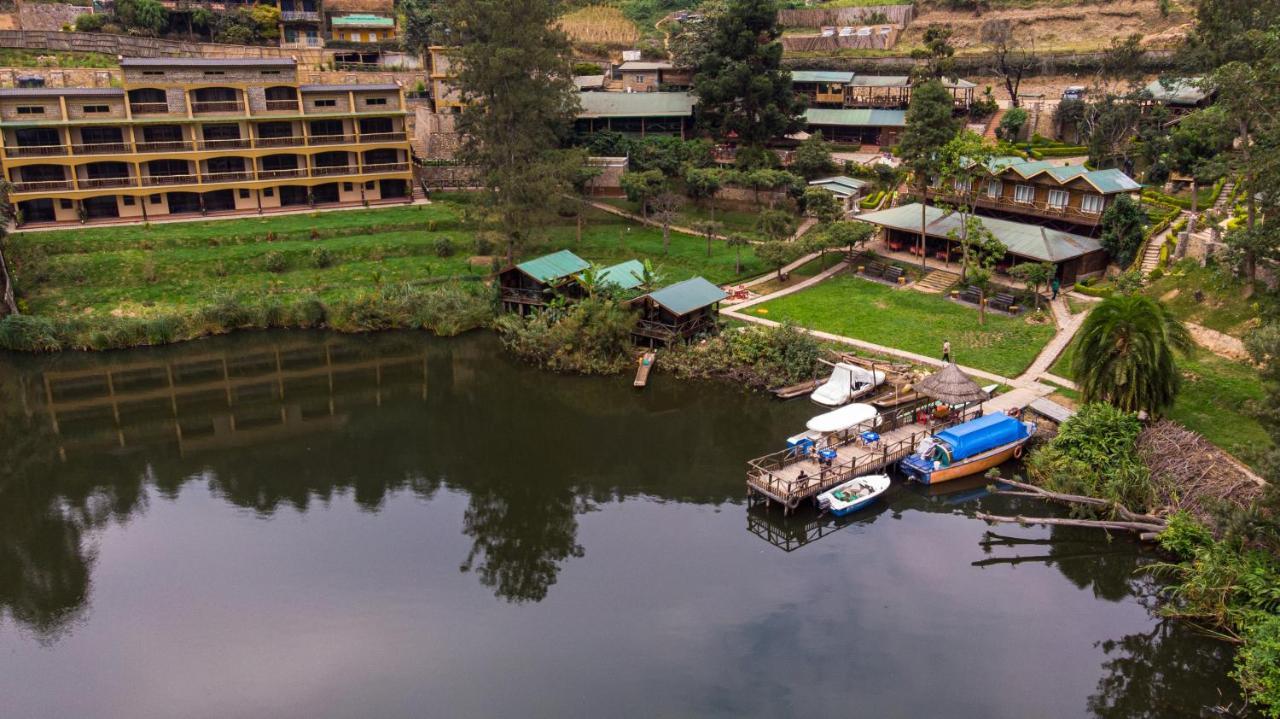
[(741, 87), (417, 26), (1012, 60), (964, 160), (930, 126), (520, 102), (812, 158), (1196, 146), (937, 54), (1122, 228), (1126, 354)]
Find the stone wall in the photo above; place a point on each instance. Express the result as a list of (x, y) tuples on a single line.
[(58, 77), (49, 16)]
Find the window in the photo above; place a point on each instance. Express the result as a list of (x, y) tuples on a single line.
[(155, 199), (30, 109), (962, 184), (330, 102), (375, 101), (269, 192), (368, 185), (270, 72), (244, 194), (995, 188), (346, 187), (1024, 193), (214, 72), (1091, 204), (639, 79), (97, 108), (64, 204), (127, 200), (1057, 199), (153, 72)]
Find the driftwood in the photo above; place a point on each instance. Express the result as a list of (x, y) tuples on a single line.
[(1191, 474), (1147, 526), (1145, 530)]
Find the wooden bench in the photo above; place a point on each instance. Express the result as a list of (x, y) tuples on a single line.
[(971, 294), (893, 273), (875, 269), (1003, 301)]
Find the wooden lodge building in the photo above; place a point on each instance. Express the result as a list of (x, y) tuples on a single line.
[(1074, 255), (531, 284), (861, 126), (1070, 196), (826, 88), (643, 76), (636, 113), (677, 312)]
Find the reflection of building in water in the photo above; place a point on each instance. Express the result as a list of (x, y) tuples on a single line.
[(226, 398)]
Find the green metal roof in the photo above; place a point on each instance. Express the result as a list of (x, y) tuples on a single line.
[(882, 81), (821, 76), (624, 275), (1107, 182), (362, 20), (685, 297), (1023, 239), (856, 118), (840, 185), (636, 104), (555, 266), (1177, 91)]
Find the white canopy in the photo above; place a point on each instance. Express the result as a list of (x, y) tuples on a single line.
[(843, 418), (847, 382)]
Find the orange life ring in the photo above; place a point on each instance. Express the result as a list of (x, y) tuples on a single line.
[(1017, 452)]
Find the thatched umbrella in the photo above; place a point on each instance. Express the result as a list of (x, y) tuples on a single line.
[(950, 385)]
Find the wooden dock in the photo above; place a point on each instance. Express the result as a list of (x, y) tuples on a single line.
[(644, 368), (788, 479)]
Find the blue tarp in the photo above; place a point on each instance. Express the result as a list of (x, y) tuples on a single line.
[(979, 435)]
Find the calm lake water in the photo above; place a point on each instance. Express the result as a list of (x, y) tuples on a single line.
[(303, 525)]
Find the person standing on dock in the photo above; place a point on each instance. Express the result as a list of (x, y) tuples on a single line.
[(946, 350)]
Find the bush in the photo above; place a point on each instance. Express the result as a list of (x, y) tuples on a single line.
[(26, 333), (227, 313), (484, 245), (274, 261), (90, 23), (1094, 455), (758, 357), (1257, 665), (321, 257), (311, 312), (591, 337), (587, 68), (444, 247)]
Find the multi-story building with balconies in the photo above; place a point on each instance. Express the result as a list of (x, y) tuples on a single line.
[(199, 136)]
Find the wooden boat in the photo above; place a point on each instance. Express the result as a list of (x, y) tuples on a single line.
[(968, 448), (853, 495)]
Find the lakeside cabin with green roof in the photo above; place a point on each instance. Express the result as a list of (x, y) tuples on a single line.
[(531, 284), (636, 113), (677, 312), (1073, 255)]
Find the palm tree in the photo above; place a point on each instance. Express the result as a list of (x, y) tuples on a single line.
[(1125, 354)]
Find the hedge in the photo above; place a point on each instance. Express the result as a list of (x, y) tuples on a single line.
[(1093, 291)]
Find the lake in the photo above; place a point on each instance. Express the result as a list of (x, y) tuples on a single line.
[(395, 525)]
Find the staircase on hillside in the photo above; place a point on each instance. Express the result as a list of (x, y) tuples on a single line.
[(419, 192), (1224, 197), (937, 281), (1151, 255), (994, 124)]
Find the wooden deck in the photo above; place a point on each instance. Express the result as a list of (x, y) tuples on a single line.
[(643, 368), (788, 479)]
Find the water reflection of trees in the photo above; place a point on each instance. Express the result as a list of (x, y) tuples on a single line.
[(531, 450)]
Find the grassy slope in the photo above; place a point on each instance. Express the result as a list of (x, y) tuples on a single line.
[(146, 270), (913, 321), (1224, 306), (734, 221)]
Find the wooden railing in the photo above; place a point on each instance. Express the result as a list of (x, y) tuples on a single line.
[(36, 151), (217, 106), (297, 141), (165, 146), (94, 183), (233, 143), (523, 296), (1043, 209), (662, 331), (299, 16), (283, 106), (331, 140), (42, 186), (282, 173), (102, 148)]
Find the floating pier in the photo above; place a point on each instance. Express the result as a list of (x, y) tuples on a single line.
[(789, 477), (644, 368)]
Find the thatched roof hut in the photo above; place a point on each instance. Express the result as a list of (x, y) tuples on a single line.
[(950, 385)]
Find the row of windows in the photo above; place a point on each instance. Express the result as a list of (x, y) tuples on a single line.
[(130, 200), (90, 109), (1026, 194)]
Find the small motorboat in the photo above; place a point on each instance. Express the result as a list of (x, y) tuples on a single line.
[(853, 495), (847, 383), (968, 448)]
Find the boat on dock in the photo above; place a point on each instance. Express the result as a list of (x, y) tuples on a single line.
[(968, 448), (854, 494), (847, 383)]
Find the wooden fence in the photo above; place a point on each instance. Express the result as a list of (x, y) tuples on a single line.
[(817, 17)]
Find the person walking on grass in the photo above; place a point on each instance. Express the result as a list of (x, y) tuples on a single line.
[(1056, 285), (946, 351)]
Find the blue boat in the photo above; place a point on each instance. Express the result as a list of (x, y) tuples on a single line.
[(968, 448), (853, 495)]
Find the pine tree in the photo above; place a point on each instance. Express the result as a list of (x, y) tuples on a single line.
[(930, 126)]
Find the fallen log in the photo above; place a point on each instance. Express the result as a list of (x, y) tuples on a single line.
[(1145, 530), (1030, 490)]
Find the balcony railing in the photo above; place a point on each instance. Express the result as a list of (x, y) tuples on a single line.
[(239, 176), (102, 148), (280, 141), (331, 170), (149, 108), (383, 137), (165, 146), (1034, 207), (42, 186), (212, 106), (303, 43), (299, 16), (155, 180), (231, 143), (282, 174), (95, 183), (386, 167), (331, 139), (282, 106), (36, 151)]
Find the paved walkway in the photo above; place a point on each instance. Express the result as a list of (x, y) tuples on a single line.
[(1068, 324), (834, 269)]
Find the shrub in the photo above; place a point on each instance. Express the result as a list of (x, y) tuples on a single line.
[(444, 247), (273, 314), (321, 257), (1094, 455), (27, 333), (161, 330), (227, 313), (311, 312), (591, 337), (1257, 665), (758, 357), (484, 245), (274, 261), (1184, 535)]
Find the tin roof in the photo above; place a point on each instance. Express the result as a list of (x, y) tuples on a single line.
[(593, 82), (636, 104), (554, 266), (840, 185), (902, 81), (624, 275), (643, 66), (856, 117), (821, 76), (1022, 238), (1109, 181), (685, 297), (61, 91), (363, 20), (165, 62)]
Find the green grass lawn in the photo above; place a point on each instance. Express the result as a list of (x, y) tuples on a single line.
[(1224, 304), (151, 270), (912, 321), (734, 221)]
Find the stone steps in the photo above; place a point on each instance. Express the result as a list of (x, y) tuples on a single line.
[(937, 281)]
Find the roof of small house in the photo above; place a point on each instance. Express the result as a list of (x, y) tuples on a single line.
[(856, 117), (385, 7), (589, 82), (624, 275), (645, 66), (1177, 91), (821, 76), (902, 81), (363, 20), (1109, 181), (636, 104), (554, 266), (212, 62), (685, 297), (1022, 238), (840, 185)]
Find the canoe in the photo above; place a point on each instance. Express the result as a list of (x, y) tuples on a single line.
[(853, 495), (968, 448)]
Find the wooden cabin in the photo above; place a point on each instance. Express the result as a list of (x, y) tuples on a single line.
[(1073, 255), (678, 312), (864, 127), (530, 285), (822, 87), (642, 76), (826, 88), (636, 113)]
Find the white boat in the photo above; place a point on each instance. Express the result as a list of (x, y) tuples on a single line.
[(847, 383), (837, 420), (853, 495)]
